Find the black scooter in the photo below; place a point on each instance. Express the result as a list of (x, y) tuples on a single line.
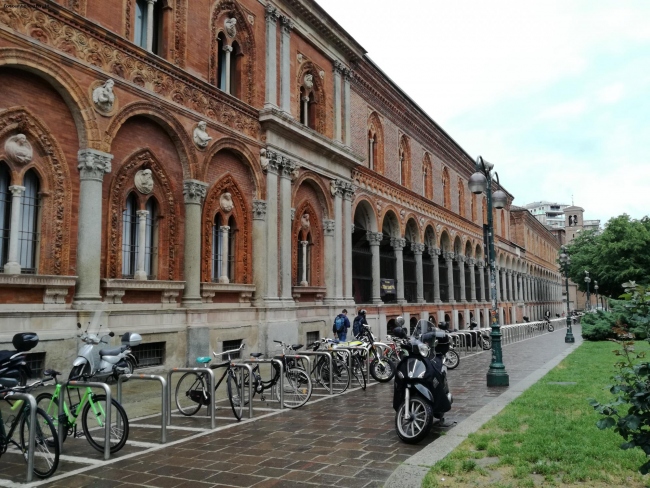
[(421, 391), (13, 364)]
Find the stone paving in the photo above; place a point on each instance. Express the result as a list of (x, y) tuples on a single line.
[(347, 441)]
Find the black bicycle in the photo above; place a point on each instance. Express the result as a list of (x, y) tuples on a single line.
[(46, 446), (193, 389)]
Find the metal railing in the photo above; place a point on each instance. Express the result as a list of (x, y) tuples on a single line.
[(165, 398), (26, 397), (107, 424), (329, 361), (211, 406)]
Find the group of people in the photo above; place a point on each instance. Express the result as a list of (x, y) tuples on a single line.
[(342, 325)]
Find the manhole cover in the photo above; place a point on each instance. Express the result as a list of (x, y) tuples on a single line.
[(562, 383)]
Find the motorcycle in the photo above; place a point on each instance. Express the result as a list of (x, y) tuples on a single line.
[(382, 368), (421, 391), (451, 358), (484, 339), (13, 364), (104, 363)]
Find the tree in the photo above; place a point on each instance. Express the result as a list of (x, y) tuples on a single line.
[(620, 253)]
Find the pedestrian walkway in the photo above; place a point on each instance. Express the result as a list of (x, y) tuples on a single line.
[(347, 441)]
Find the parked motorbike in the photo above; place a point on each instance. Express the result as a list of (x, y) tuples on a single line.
[(485, 341), (13, 364), (103, 363), (421, 391), (382, 368)]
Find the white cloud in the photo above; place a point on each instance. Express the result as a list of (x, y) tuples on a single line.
[(611, 93), (563, 110)]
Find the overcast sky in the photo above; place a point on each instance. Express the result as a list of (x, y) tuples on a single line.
[(555, 93)]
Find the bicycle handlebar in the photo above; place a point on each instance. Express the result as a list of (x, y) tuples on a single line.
[(217, 354)]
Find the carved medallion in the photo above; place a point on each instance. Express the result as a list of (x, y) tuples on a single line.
[(143, 181), (103, 98), (230, 25), (18, 149), (225, 202)]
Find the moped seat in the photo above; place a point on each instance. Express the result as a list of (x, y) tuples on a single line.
[(113, 351), (51, 372)]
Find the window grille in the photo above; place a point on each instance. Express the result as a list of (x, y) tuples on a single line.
[(36, 363), (5, 213), (150, 354), (230, 346), (129, 237), (28, 237)]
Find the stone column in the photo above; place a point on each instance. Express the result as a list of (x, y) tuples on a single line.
[(303, 278), (337, 189), (259, 249), (371, 154), (228, 51), (504, 284), (520, 294), (461, 267), (511, 295), (194, 193), (224, 229), (271, 94), (329, 231), (150, 25), (305, 110), (398, 244), (348, 193), (347, 108), (449, 259), (92, 166), (285, 64), (481, 277), (140, 273), (472, 280), (338, 70), (12, 266), (375, 238), (417, 249), (288, 171), (273, 165), (435, 252)]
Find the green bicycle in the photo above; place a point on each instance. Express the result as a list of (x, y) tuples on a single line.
[(91, 407)]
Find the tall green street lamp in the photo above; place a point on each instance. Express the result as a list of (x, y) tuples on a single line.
[(481, 182), (588, 280), (565, 262), (596, 290)]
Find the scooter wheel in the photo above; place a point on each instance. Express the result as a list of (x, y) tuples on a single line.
[(452, 359), (415, 428), (550, 328)]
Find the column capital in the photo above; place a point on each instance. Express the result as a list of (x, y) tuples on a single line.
[(93, 164), (289, 168), (461, 258), (398, 243), (417, 247), (142, 213), (224, 228), (328, 227), (259, 209), (374, 238), (287, 24), (304, 243), (449, 256), (480, 264), (434, 251), (17, 190), (270, 161), (227, 48), (471, 262), (339, 67), (194, 191), (271, 13), (348, 191), (151, 2), (337, 187), (293, 214)]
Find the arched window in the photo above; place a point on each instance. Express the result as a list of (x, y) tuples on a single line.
[(223, 249), (140, 37), (28, 238), (235, 69), (221, 64), (309, 101), (375, 143), (133, 246), (304, 260), (129, 237), (143, 23), (446, 191), (372, 149), (5, 212), (404, 162)]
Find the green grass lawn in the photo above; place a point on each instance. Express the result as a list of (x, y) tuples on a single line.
[(548, 436)]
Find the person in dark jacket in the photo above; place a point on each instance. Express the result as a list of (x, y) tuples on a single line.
[(359, 322), (341, 331)]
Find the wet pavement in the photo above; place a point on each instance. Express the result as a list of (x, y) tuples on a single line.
[(348, 440)]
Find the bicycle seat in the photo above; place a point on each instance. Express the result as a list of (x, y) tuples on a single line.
[(51, 372), (203, 359), (295, 347), (257, 354), (113, 351)]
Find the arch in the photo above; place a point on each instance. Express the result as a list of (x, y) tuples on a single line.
[(121, 186), (246, 38), (427, 175), (390, 224), (316, 233), (244, 152), (468, 249), (74, 97), (445, 241), (405, 161), (446, 190), (364, 215), (376, 129), (318, 109), (412, 230), (430, 237), (55, 185), (312, 179), (167, 121), (458, 246)]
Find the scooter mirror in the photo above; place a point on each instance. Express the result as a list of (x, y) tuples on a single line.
[(78, 325), (399, 321), (111, 334)]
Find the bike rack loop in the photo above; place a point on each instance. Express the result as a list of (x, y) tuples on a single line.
[(329, 359), (107, 424), (281, 380), (250, 386), (357, 348), (210, 373), (32, 432), (165, 395)]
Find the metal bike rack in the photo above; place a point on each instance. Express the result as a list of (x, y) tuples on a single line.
[(329, 359), (31, 445), (357, 348), (250, 386), (107, 424), (211, 407), (281, 381), (165, 396)]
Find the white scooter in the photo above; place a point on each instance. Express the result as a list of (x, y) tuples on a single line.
[(102, 364)]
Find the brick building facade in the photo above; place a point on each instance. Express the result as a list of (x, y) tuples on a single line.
[(240, 170)]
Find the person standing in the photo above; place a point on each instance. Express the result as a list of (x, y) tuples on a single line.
[(341, 326), (359, 322)]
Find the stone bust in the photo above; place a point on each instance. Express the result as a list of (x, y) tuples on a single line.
[(226, 202), (309, 81), (144, 181), (304, 221), (230, 24), (103, 96), (201, 137), (18, 149)]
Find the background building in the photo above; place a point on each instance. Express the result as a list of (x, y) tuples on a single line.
[(237, 171), (548, 213)]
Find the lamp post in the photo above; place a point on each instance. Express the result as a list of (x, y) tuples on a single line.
[(588, 280), (565, 262), (481, 182), (596, 291)]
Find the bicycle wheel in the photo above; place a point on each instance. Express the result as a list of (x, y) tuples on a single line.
[(93, 420), (190, 394), (234, 395), (358, 376), (452, 359), (340, 375), (44, 401), (46, 447), (297, 388)]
